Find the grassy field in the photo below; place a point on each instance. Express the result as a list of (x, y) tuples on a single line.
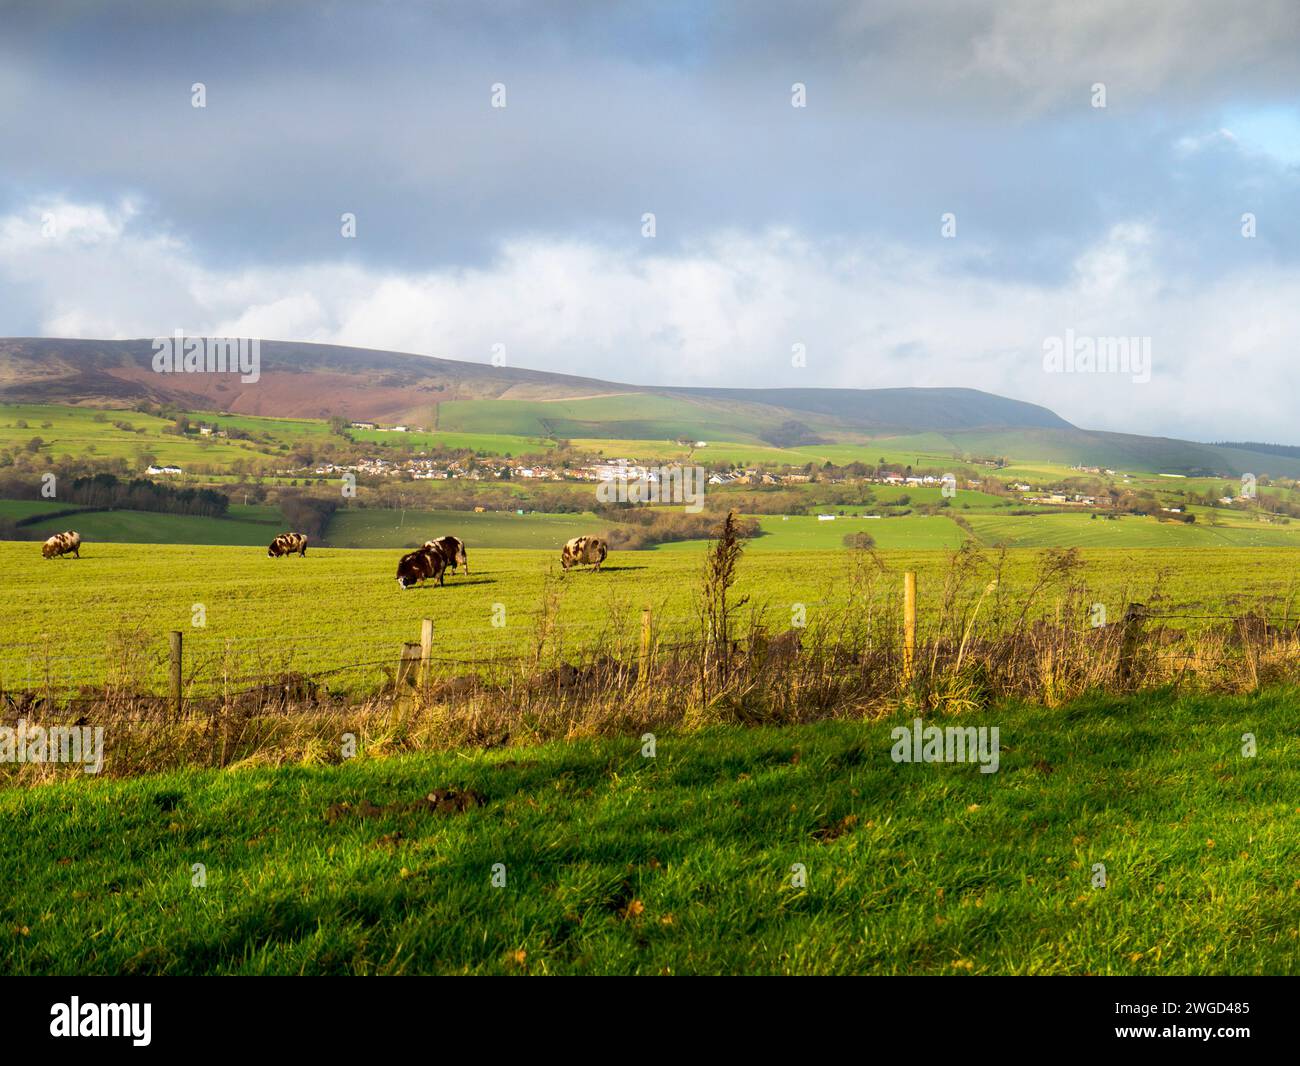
[(75, 432), (68, 620), (17, 510), (625, 417), (685, 863), (1128, 531), (249, 525), (374, 528), (485, 443), (355, 527), (793, 533)]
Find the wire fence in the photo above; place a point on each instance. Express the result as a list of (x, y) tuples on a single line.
[(366, 660)]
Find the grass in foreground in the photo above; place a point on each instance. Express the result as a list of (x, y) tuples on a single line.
[(682, 863)]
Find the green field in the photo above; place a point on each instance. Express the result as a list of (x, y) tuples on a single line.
[(372, 527), (17, 510), (1127, 531), (74, 621), (791, 533), (484, 443), (628, 416), (685, 863), (245, 525), (375, 528), (73, 432)]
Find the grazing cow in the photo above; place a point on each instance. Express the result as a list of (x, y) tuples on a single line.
[(287, 544), (62, 544), (452, 550), (420, 565), (584, 551)]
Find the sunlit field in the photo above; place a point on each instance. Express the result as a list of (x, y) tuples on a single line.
[(73, 621)]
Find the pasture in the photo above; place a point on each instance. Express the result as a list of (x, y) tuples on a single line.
[(381, 528), (83, 432), (1128, 531), (68, 621), (684, 863), (244, 525)]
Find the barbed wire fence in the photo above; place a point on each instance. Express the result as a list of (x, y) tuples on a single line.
[(176, 669)]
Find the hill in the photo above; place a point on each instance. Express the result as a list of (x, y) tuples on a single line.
[(316, 381)]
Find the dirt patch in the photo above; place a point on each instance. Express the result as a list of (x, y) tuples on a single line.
[(826, 833), (439, 801)]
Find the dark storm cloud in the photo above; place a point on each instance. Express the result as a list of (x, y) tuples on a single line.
[(683, 110)]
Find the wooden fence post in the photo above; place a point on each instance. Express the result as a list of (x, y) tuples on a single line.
[(909, 624), (1130, 636), (643, 657), (426, 651), (408, 668), (176, 682), (408, 673)]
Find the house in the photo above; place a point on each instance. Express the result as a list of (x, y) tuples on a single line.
[(163, 470), (361, 425)]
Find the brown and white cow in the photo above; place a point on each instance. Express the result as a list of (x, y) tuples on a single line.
[(68, 543), (584, 551), (287, 544), (420, 565), (452, 550)]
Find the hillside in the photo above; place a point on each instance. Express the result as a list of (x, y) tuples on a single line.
[(316, 381), (931, 425)]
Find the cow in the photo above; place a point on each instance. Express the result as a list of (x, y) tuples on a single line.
[(452, 550), (62, 544), (420, 565), (584, 551), (287, 544)]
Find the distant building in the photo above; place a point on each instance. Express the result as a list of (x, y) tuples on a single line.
[(361, 425), (163, 470)]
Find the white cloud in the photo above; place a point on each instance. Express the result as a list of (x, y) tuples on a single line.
[(725, 310)]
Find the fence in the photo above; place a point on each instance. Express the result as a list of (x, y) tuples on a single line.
[(191, 668)]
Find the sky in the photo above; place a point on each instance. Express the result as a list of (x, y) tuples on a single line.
[(950, 203)]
